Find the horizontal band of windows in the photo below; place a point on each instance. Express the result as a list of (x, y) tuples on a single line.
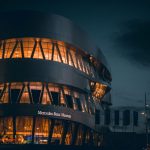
[(48, 50), (38, 130), (46, 94)]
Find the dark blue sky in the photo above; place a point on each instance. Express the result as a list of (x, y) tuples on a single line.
[(121, 28)]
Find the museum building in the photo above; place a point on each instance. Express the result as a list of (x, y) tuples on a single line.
[(53, 81)]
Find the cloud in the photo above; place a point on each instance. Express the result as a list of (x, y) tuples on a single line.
[(133, 41)]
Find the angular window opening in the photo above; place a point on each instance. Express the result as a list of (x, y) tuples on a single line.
[(5, 95), (17, 52), (55, 96), (14, 95), (69, 100), (56, 56), (62, 98), (36, 95), (38, 52), (8, 47), (46, 97), (47, 49), (28, 45), (62, 49), (78, 103), (25, 98)]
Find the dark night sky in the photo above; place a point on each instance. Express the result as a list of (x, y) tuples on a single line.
[(121, 28)]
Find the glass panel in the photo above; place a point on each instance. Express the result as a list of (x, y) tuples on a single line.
[(9, 47), (55, 97), (6, 130), (38, 53), (57, 132), (83, 103), (47, 48), (17, 53), (14, 95), (87, 137), (24, 130), (28, 44), (79, 136), (62, 99), (69, 101), (56, 56), (5, 96), (69, 135), (41, 131), (62, 49), (36, 95), (1, 49), (46, 98), (25, 96), (73, 57), (78, 103)]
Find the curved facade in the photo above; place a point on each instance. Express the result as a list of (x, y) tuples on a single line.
[(52, 81)]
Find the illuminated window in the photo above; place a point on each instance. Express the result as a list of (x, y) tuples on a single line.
[(24, 130), (57, 132), (79, 136), (69, 135), (6, 130), (41, 131), (46, 99), (5, 95), (25, 98)]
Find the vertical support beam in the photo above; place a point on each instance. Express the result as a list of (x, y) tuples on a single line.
[(64, 97), (16, 44), (20, 94), (51, 130), (49, 94), (65, 130), (91, 137), (34, 48), (30, 95), (33, 129), (84, 129), (58, 50), (67, 56), (76, 55), (41, 48), (41, 94), (53, 47), (1, 94), (9, 93), (75, 133), (14, 127), (21, 45)]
